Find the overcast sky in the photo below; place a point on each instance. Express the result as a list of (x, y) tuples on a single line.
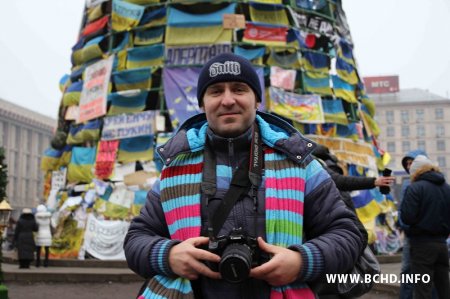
[(409, 38)]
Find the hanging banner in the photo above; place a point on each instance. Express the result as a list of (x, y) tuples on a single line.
[(128, 125), (269, 35), (95, 90), (306, 108), (106, 157), (194, 55), (103, 239), (59, 179), (282, 78), (312, 22)]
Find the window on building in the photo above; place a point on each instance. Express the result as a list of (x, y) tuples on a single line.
[(405, 116), (420, 131), (389, 117), (420, 114), (440, 145), (391, 147), (439, 113), (405, 131), (390, 131), (440, 131), (406, 146), (442, 162), (421, 145)]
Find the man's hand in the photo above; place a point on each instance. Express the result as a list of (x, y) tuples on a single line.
[(384, 181), (185, 259), (282, 269)]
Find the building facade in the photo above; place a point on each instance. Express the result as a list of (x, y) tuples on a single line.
[(414, 119), (25, 135)]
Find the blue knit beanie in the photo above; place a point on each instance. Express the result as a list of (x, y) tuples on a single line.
[(227, 67)]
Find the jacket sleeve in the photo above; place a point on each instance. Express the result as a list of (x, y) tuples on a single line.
[(147, 243), (333, 241), (350, 183), (410, 206)]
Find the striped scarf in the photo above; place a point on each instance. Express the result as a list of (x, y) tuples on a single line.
[(180, 197)]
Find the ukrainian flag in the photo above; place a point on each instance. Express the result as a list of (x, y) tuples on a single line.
[(81, 165), (120, 61), (345, 51), (316, 64), (187, 29), (149, 36), (153, 17), (368, 105), (140, 197), (135, 149), (316, 85), (348, 131), (334, 111), (284, 58), (346, 71), (145, 56), (72, 94), (66, 156), (89, 131), (366, 206), (63, 82), (344, 90), (92, 50), (133, 79), (50, 159), (131, 101), (125, 16), (268, 14), (255, 55)]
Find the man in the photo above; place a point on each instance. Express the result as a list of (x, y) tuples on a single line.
[(406, 288), (290, 203), (426, 209)]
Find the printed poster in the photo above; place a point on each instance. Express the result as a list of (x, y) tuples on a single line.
[(128, 125)]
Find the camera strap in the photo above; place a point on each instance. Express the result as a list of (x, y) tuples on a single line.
[(246, 177)]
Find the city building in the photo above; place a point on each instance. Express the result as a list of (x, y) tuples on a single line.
[(25, 135), (414, 119)]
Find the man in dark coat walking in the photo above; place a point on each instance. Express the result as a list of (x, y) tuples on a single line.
[(426, 209)]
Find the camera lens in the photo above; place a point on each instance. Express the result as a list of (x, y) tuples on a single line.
[(236, 263)]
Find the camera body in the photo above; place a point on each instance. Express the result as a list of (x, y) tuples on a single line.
[(386, 189), (239, 253)]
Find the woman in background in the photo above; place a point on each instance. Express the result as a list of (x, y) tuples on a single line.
[(23, 238), (44, 235)]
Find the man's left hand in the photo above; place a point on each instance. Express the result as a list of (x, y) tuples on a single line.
[(283, 268)]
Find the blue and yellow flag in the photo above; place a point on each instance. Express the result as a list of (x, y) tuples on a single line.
[(255, 54), (89, 131), (206, 28), (131, 101), (316, 85), (346, 71), (344, 90), (133, 79), (153, 17), (148, 36), (135, 149), (50, 159), (81, 165), (72, 94), (145, 56), (125, 16), (348, 131), (316, 64), (268, 14), (140, 197), (366, 206), (334, 111)]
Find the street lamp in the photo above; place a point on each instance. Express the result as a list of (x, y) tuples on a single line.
[(5, 213)]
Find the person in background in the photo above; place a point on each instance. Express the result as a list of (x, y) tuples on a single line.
[(23, 238), (44, 234), (406, 288), (426, 209), (284, 194)]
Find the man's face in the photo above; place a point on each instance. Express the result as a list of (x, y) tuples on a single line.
[(230, 108), (408, 163)]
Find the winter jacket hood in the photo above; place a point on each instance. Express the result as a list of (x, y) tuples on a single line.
[(411, 155), (429, 173)]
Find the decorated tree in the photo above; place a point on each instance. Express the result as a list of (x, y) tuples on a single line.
[(133, 82)]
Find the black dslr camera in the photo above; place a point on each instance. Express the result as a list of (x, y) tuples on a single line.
[(239, 253)]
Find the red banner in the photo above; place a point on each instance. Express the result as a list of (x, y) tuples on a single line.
[(106, 156), (266, 34), (382, 84)]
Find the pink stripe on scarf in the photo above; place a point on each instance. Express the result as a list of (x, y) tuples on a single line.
[(182, 212), (291, 205), (286, 183)]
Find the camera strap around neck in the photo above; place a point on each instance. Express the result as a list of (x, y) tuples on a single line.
[(246, 177)]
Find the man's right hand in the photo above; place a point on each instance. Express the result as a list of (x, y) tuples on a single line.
[(185, 259)]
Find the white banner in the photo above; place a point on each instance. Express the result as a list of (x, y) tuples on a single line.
[(95, 90), (128, 125), (59, 179), (103, 239)]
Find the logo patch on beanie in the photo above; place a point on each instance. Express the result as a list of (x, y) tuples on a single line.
[(228, 67)]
